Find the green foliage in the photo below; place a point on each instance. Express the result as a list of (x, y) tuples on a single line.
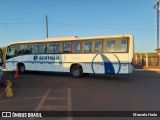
[(3, 51)]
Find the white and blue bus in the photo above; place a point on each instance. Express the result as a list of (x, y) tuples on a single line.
[(97, 54)]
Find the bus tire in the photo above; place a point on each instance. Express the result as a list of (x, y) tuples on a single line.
[(21, 68), (76, 71)]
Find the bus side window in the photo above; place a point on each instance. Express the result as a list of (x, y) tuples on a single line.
[(97, 46), (28, 49), (67, 47), (123, 45), (87, 46), (42, 48), (34, 48), (109, 45), (58, 48), (50, 48), (20, 49), (76, 47)]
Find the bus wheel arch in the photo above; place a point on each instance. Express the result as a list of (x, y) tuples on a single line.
[(21, 67), (76, 70)]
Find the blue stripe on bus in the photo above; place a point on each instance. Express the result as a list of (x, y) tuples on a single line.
[(108, 66), (118, 63)]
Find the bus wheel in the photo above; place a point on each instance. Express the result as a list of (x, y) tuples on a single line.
[(21, 68), (76, 71)]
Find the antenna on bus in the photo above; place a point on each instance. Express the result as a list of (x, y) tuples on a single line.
[(46, 26)]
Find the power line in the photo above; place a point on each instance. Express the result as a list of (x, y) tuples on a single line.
[(20, 17), (104, 27), (78, 25), (21, 22)]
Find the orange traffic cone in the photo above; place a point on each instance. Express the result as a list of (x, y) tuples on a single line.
[(16, 75)]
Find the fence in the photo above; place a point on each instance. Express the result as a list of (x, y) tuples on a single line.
[(146, 59)]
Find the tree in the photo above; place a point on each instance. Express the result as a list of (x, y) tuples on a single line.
[(3, 51)]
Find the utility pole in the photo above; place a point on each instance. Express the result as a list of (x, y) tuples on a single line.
[(156, 5), (46, 26), (157, 25)]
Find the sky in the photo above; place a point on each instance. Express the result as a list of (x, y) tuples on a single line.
[(25, 20)]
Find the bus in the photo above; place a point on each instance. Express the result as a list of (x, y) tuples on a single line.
[(112, 54)]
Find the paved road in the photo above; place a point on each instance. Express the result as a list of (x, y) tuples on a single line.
[(40, 91)]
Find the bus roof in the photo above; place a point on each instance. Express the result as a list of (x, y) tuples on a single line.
[(72, 38)]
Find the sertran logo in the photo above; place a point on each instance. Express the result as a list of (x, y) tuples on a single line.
[(46, 58), (35, 57)]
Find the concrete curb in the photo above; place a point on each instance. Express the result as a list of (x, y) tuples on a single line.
[(8, 70), (146, 69), (133, 70)]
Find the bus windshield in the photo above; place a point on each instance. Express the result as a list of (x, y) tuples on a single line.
[(10, 52)]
